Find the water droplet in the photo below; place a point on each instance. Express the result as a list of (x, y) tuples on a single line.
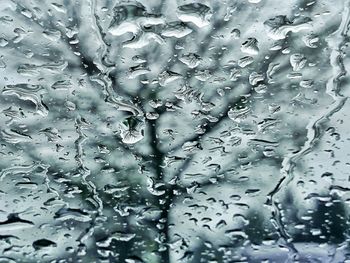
[(298, 61), (132, 130), (196, 13), (176, 29), (250, 46)]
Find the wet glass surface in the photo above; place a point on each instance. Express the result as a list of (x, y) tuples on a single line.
[(174, 131)]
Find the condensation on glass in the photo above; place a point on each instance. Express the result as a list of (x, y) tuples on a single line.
[(165, 131)]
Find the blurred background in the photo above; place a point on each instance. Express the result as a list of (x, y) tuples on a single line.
[(174, 131)]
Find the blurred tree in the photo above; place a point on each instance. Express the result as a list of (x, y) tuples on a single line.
[(161, 127)]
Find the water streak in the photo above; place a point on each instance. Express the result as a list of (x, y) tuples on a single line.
[(336, 42)]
